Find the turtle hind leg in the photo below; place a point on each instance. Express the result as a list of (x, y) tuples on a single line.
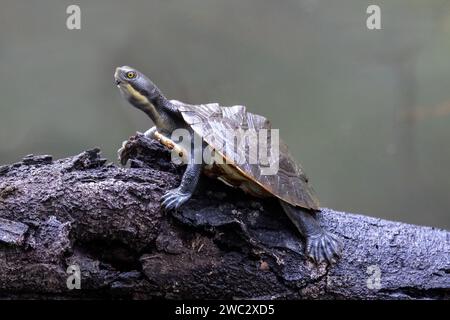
[(320, 244)]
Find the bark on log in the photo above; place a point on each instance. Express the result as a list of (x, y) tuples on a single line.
[(222, 244)]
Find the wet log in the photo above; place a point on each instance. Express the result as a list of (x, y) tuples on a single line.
[(84, 214)]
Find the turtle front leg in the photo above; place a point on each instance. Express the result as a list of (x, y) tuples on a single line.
[(175, 198), (150, 133)]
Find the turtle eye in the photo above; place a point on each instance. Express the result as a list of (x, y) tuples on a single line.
[(131, 74)]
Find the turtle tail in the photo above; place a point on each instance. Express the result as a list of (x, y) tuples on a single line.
[(321, 245)]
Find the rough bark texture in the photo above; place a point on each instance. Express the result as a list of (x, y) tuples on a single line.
[(222, 244)]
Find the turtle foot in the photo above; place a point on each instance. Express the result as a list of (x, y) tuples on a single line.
[(123, 153), (128, 146), (174, 199), (323, 247)]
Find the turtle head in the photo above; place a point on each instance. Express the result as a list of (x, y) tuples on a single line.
[(139, 90)]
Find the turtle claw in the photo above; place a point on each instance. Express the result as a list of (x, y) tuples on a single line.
[(128, 146), (174, 199), (323, 247), (123, 154)]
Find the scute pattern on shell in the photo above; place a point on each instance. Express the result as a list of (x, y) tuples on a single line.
[(211, 122)]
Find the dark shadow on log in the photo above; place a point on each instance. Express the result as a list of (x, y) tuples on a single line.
[(222, 244)]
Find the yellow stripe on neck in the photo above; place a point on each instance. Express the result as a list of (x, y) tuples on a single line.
[(144, 102), (136, 94)]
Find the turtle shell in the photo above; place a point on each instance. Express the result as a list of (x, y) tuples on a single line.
[(212, 122)]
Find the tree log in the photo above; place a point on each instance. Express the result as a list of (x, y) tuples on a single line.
[(222, 244)]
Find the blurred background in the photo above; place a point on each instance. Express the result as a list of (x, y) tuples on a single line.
[(367, 112)]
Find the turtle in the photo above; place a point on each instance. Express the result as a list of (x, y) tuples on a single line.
[(210, 122)]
